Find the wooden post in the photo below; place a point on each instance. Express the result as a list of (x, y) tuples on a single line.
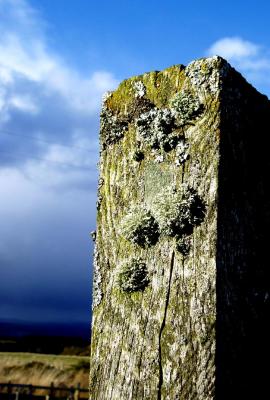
[(9, 390), (185, 154), (17, 394), (77, 393), (30, 391), (51, 391), (71, 393)]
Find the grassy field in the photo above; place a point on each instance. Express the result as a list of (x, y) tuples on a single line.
[(42, 369)]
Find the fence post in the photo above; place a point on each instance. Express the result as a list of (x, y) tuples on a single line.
[(17, 394), (9, 390), (77, 393), (30, 392), (71, 393), (51, 391)]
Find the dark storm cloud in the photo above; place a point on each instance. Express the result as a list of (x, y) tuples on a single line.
[(48, 175)]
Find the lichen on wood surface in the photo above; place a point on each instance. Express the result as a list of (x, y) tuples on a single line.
[(165, 143)]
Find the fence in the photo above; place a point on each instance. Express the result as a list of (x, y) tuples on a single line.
[(14, 391)]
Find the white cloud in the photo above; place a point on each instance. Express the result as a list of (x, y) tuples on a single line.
[(40, 94), (234, 48), (251, 59), (24, 103), (32, 61)]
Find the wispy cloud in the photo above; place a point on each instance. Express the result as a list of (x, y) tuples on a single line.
[(48, 154), (40, 94), (252, 59)]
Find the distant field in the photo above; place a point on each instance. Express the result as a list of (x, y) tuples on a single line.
[(42, 369)]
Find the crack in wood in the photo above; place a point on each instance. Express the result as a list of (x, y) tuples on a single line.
[(160, 383)]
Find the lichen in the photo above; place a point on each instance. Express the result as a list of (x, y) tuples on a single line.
[(167, 211), (139, 89), (129, 100), (131, 339), (111, 128), (99, 195), (177, 212), (133, 276), (93, 235), (185, 107), (182, 153), (207, 73), (140, 227), (183, 245), (97, 280), (155, 128)]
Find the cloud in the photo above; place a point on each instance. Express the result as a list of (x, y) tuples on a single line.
[(42, 97), (252, 59), (234, 48), (48, 154)]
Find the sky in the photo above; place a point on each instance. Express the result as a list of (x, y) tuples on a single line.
[(57, 58)]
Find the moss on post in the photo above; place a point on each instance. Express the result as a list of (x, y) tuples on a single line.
[(175, 253)]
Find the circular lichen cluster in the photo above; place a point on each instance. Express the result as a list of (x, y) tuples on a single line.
[(140, 227), (155, 127), (177, 212), (173, 213), (185, 107), (133, 276)]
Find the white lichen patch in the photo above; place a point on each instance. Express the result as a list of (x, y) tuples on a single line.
[(99, 195), (105, 97), (97, 280), (166, 209), (155, 127), (177, 212), (182, 153), (207, 74), (159, 158), (139, 88)]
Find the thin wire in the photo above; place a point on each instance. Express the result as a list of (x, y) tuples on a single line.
[(42, 140), (48, 161)]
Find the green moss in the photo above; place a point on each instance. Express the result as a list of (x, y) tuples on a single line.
[(160, 87)]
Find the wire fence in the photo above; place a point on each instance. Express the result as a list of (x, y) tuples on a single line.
[(15, 391)]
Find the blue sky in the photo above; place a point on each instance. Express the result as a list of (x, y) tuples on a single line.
[(57, 58)]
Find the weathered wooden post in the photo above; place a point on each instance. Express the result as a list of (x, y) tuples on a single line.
[(181, 257), (51, 395), (77, 392), (9, 390), (71, 393)]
